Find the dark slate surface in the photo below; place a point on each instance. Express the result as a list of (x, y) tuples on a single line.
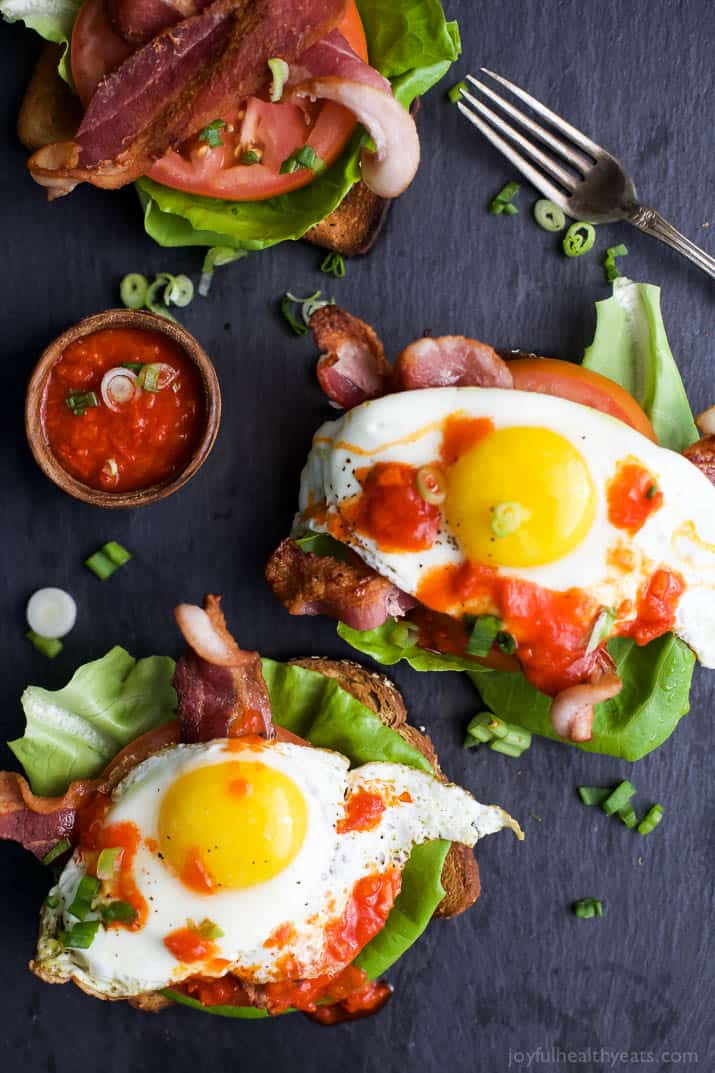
[(518, 980)]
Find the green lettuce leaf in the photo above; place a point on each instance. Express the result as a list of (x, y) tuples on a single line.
[(51, 19), (378, 644), (73, 733), (630, 346)]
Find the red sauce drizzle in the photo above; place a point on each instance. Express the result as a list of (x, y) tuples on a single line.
[(196, 875), (94, 836), (151, 438), (633, 496), (656, 607), (461, 433), (391, 510), (362, 812), (187, 945)]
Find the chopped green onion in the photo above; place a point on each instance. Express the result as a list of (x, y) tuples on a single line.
[(308, 306), (586, 908), (306, 157), (627, 815), (107, 862), (651, 491), (431, 484), (323, 544), (57, 850), (508, 518), (455, 93), (80, 936), (87, 891), (119, 912), (179, 291), (334, 265), (483, 636), (500, 201), (505, 748), (505, 642), (153, 303), (251, 156), (548, 215), (79, 401), (478, 728), (107, 560), (133, 366), (593, 795), (601, 629), (212, 133), (618, 797), (651, 820), (207, 929), (216, 257), (48, 646), (579, 239), (404, 634), (133, 290), (280, 71), (52, 901), (501, 736), (609, 261), (156, 377)]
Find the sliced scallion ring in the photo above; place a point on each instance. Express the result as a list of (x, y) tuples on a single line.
[(579, 239), (179, 291), (133, 290), (431, 484), (157, 376), (152, 296), (119, 387), (51, 612), (549, 216), (280, 71)]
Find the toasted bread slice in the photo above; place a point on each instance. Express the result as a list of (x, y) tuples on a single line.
[(353, 227), (50, 112), (460, 875)]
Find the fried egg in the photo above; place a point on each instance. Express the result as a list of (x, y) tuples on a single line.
[(243, 856), (526, 486)]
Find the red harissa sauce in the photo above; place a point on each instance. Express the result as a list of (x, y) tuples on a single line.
[(149, 439)]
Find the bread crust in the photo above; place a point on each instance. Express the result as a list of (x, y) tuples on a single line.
[(460, 874), (49, 112)]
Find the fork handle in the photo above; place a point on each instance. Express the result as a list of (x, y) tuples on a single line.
[(652, 223)]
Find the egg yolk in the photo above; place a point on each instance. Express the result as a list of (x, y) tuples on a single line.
[(231, 825), (520, 497)]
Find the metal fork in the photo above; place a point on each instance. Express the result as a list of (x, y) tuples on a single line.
[(595, 187)]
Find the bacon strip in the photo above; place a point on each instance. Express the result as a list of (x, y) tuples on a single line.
[(308, 584), (221, 689), (179, 82), (702, 455), (352, 366), (572, 711), (137, 21), (334, 58), (450, 361)]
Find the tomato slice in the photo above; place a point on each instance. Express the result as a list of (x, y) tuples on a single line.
[(551, 376), (279, 129)]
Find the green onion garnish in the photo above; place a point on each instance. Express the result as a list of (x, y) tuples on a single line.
[(216, 257), (154, 303), (306, 157), (323, 544), (651, 491), (404, 634), (307, 306), (593, 795), (609, 261), (107, 560), (585, 908), (280, 71), (80, 936), (87, 891), (508, 518), (579, 239), (118, 912), (484, 634), (107, 862), (619, 797), (133, 366), (455, 93), (133, 290), (52, 901), (207, 929), (251, 156), (334, 265), (48, 646), (57, 850), (505, 642), (627, 815), (502, 737), (212, 133), (651, 820), (150, 377), (601, 629), (179, 291), (549, 216), (80, 401), (502, 202)]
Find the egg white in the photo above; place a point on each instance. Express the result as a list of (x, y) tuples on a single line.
[(407, 427), (310, 892)]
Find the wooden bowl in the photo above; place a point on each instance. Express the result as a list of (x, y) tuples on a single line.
[(34, 425)]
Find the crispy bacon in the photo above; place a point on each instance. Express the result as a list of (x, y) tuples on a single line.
[(39, 823), (450, 361), (572, 711), (352, 366), (702, 455), (308, 584), (179, 82), (220, 687), (333, 58)]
